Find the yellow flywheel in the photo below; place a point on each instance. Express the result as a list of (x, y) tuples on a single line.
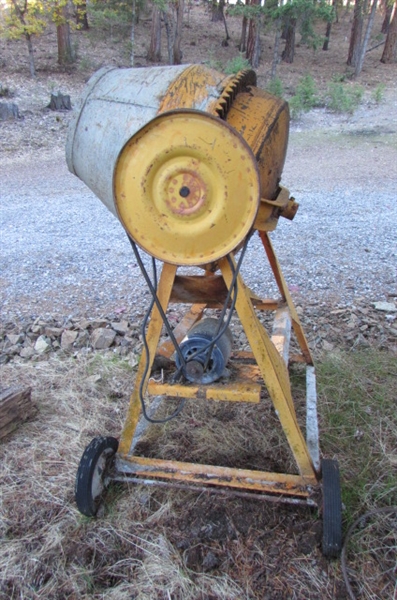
[(186, 188)]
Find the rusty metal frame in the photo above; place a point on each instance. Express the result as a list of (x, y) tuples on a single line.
[(270, 353)]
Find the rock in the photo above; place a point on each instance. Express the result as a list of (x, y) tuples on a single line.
[(121, 327), (13, 350), (15, 338), (84, 324), (327, 346), (98, 323), (68, 338), (9, 110), (53, 332), (385, 306), (102, 338), (93, 379), (42, 345), (210, 561), (133, 360), (82, 339)]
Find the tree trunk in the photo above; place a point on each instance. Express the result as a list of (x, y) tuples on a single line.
[(327, 35), (329, 25), (60, 101), (65, 52), (363, 48), (15, 407), (170, 30), (289, 49), (21, 16), (243, 39), (275, 49), (132, 35), (356, 34), (154, 53), (347, 8), (389, 51), (257, 45), (32, 68), (387, 18), (253, 26), (217, 10), (227, 36), (178, 32)]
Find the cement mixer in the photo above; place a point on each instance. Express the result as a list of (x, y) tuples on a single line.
[(190, 162)]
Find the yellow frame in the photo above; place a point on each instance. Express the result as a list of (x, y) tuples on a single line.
[(273, 371)]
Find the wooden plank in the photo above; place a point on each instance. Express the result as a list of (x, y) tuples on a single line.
[(312, 435), (281, 334), (15, 407), (195, 313), (211, 290)]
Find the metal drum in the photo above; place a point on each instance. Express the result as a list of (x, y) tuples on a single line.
[(182, 155)]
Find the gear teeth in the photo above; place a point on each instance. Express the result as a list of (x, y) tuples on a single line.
[(239, 83)]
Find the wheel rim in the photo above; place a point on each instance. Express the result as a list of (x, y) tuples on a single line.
[(98, 483)]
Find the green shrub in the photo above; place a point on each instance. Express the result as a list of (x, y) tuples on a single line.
[(236, 64), (5, 92), (343, 98), (275, 87), (305, 98), (378, 93)]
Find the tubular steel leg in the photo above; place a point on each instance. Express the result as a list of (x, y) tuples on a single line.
[(153, 336), (284, 291), (274, 373)]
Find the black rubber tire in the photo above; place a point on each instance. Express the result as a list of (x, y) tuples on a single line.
[(332, 509), (90, 479)]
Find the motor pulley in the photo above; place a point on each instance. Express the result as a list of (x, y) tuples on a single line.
[(206, 351)]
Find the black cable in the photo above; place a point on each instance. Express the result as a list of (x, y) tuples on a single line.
[(376, 511), (153, 291), (233, 288), (155, 300)]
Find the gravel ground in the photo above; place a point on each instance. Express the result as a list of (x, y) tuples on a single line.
[(63, 253)]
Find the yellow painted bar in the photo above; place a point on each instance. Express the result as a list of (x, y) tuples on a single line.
[(274, 373), (234, 392), (282, 285), (153, 336), (280, 483)]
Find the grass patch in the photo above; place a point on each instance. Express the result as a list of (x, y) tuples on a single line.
[(152, 542), (359, 426)]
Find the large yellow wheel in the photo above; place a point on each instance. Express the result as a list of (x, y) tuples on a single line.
[(187, 188)]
